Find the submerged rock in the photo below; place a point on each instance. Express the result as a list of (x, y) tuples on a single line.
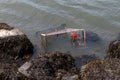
[(84, 59), (13, 42), (114, 49), (108, 69), (92, 37), (118, 37), (49, 66)]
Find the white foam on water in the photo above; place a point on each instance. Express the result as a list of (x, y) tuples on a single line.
[(7, 33)]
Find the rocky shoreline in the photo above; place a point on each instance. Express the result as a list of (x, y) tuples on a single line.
[(16, 51)]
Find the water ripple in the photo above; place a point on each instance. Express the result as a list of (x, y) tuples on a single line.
[(47, 9)]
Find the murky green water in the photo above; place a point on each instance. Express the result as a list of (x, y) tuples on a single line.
[(100, 16)]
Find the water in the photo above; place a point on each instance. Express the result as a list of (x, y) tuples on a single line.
[(100, 16)]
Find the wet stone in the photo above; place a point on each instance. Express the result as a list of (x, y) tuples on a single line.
[(114, 49), (108, 69), (51, 66), (13, 42), (92, 37)]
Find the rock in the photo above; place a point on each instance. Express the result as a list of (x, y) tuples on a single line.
[(70, 75), (92, 37), (108, 69), (114, 49), (118, 37), (84, 59), (8, 71), (62, 61), (13, 42), (23, 69), (49, 66), (74, 77)]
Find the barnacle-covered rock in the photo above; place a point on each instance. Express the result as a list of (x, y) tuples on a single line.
[(49, 66), (13, 42), (9, 70), (108, 69), (114, 49)]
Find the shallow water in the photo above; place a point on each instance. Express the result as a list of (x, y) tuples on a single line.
[(99, 16)]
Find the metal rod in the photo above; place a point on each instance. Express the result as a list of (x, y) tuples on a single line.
[(84, 38)]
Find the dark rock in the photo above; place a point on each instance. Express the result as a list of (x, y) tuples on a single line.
[(13, 42), (5, 26), (92, 37), (70, 75), (8, 71), (108, 69), (118, 37), (114, 49), (62, 61), (50, 66), (84, 59)]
